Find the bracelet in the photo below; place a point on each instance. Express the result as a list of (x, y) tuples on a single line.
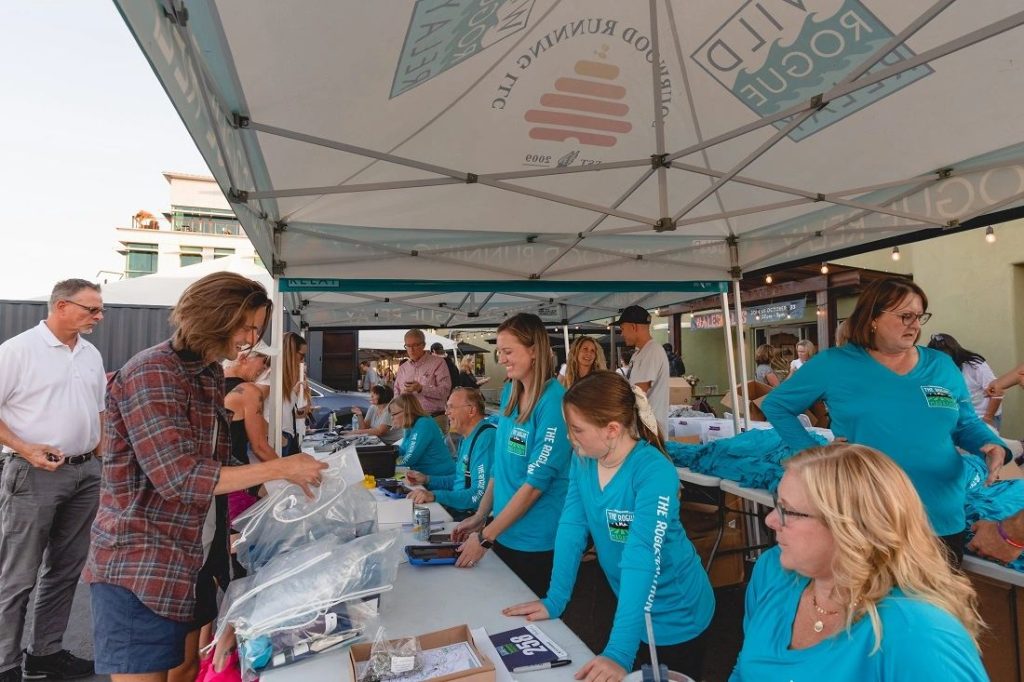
[(1006, 537)]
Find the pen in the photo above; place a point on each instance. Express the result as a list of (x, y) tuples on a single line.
[(541, 666)]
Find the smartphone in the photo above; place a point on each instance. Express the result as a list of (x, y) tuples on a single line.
[(432, 555), (440, 538)]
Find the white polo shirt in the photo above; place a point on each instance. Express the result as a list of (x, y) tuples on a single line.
[(50, 393)]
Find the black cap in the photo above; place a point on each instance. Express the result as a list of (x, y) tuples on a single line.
[(634, 314), (436, 347)]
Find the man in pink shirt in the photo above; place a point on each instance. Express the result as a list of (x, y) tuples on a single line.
[(425, 375)]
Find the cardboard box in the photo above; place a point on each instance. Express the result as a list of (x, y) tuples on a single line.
[(701, 524), (433, 640), (692, 440), (757, 392), (679, 392)]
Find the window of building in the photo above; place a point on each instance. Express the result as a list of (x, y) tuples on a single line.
[(184, 219), (190, 255), (140, 259), (220, 253)]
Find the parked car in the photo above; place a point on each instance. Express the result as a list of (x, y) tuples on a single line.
[(327, 400)]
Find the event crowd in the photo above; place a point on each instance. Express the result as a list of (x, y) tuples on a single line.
[(132, 481)]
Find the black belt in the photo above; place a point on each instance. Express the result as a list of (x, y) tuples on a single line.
[(76, 459)]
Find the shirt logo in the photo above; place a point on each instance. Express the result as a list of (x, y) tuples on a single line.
[(939, 396), (517, 441), (618, 524)]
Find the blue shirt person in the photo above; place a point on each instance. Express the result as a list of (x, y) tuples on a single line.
[(423, 448)]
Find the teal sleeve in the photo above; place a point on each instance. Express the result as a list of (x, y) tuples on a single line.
[(657, 502), (550, 451), (480, 461), (570, 543), (971, 432), (442, 483), (792, 397)]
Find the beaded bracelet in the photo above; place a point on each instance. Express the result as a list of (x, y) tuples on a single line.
[(1006, 537)]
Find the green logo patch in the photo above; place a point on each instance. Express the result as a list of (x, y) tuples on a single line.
[(618, 524), (939, 396), (517, 441)]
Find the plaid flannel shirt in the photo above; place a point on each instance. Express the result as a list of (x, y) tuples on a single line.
[(159, 472)]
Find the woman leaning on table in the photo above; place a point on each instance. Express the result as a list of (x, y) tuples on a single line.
[(423, 448), (624, 493), (858, 588), (531, 461), (885, 391)]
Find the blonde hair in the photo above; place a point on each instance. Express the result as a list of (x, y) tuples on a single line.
[(572, 365), (292, 344), (808, 346), (882, 536), (528, 330), (466, 364), (411, 408)]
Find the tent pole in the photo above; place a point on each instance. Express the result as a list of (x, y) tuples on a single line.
[(565, 329), (731, 359), (742, 344), (277, 368)]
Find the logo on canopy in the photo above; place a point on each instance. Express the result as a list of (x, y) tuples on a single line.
[(772, 54)]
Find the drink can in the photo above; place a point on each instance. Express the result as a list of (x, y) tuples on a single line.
[(421, 523)]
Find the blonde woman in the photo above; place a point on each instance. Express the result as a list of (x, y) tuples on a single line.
[(585, 356), (295, 396), (859, 585), (805, 350), (467, 378), (531, 461)]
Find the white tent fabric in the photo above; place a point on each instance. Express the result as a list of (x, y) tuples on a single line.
[(165, 288), (394, 339), (536, 146)]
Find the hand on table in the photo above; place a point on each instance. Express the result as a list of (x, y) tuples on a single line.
[(416, 478), (42, 456), (995, 457), (988, 543), (533, 610), (357, 411), (469, 525), (601, 669), (420, 496), (470, 552)]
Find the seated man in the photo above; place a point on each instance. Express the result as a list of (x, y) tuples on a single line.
[(460, 493)]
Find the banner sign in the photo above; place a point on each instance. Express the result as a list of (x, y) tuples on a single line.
[(758, 314)]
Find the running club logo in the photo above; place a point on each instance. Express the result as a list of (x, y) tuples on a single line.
[(618, 524), (939, 396), (772, 54)]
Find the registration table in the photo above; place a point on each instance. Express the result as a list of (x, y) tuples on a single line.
[(428, 598)]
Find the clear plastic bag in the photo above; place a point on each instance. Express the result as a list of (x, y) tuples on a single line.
[(391, 658), (287, 518), (289, 600)]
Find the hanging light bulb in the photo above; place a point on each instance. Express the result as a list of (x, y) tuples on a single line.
[(895, 253), (768, 279), (824, 268), (990, 235)]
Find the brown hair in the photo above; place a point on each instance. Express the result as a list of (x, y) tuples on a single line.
[(475, 398), (410, 406), (603, 397), (528, 329), (212, 309), (879, 296), (384, 394), (765, 354), (292, 344)]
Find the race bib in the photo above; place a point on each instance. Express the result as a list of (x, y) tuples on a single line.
[(517, 441)]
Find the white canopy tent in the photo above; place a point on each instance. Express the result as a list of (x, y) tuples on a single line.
[(165, 288), (394, 339), (540, 147)]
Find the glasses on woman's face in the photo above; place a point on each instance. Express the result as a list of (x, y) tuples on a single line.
[(393, 413), (785, 513), (908, 318)]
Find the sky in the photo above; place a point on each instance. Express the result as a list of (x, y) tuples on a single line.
[(86, 132)]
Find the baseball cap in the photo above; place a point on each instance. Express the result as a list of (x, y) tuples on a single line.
[(634, 314), (436, 347)]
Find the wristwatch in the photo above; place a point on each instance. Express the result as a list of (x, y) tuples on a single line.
[(484, 542)]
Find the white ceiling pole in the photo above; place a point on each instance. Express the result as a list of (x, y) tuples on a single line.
[(730, 356), (565, 329), (741, 342), (539, 194), (659, 117), (349, 189), (565, 170), (277, 368)]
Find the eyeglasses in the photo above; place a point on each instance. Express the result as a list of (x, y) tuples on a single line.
[(89, 309), (394, 414), (908, 318), (410, 346), (785, 513)]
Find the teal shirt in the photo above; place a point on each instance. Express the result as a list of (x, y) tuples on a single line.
[(452, 491), (650, 563), (423, 449), (536, 452), (918, 419), (920, 641)]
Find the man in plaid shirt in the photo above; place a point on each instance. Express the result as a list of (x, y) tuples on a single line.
[(168, 441)]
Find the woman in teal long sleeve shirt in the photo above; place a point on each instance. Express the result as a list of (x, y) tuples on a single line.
[(624, 493), (884, 391), (859, 588), (423, 448)]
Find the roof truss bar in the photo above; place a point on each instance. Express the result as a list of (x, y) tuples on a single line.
[(483, 304), (761, 208), (886, 211), (565, 170), (548, 196), (659, 117), (993, 207), (617, 256), (716, 273), (594, 225), (350, 189), (941, 174)]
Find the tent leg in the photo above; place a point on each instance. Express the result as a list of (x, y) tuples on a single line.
[(742, 346), (731, 358), (277, 367), (565, 332)]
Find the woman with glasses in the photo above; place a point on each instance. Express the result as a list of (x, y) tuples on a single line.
[(885, 391), (423, 448), (377, 420), (624, 493), (858, 588), (977, 375)]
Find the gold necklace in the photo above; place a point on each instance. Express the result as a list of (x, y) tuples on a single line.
[(818, 624)]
